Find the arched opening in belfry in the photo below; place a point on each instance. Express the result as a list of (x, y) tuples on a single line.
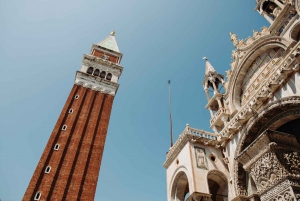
[(90, 70), (218, 186), (96, 72), (271, 9), (180, 187), (103, 74)]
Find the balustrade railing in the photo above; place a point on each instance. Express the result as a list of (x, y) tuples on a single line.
[(218, 114)]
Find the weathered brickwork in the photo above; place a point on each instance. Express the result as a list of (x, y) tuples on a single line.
[(76, 165), (110, 57)]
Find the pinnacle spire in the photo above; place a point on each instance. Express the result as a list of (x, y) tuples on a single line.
[(208, 67), (110, 42)]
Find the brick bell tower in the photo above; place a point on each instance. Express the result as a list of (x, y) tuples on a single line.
[(70, 164)]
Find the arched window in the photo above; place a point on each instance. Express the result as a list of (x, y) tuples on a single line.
[(96, 72), (90, 70), (109, 76), (102, 74)]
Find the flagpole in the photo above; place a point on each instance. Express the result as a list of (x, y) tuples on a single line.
[(170, 110)]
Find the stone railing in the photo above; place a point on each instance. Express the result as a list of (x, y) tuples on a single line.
[(202, 133), (218, 115), (266, 89)]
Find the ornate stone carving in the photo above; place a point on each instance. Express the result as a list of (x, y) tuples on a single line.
[(297, 196), (265, 30), (267, 171), (271, 194), (276, 11), (233, 38), (256, 34), (200, 157), (285, 196), (291, 161), (249, 40)]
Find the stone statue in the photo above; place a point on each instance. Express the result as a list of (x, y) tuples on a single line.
[(256, 34), (234, 39), (265, 30)]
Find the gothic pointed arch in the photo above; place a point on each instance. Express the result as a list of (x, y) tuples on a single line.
[(245, 60)]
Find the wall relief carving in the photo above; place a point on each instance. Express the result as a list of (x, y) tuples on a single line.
[(267, 171), (291, 161), (201, 158), (285, 196)]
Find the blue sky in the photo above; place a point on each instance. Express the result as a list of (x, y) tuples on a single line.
[(41, 47)]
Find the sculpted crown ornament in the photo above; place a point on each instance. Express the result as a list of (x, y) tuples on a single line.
[(256, 35)]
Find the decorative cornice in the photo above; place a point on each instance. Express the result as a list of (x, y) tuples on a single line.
[(195, 136), (265, 89), (102, 61), (96, 83), (242, 45)]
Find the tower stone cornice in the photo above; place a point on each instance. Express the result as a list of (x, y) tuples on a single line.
[(96, 83), (91, 58)]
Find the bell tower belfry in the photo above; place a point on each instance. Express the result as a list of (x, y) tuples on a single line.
[(69, 166)]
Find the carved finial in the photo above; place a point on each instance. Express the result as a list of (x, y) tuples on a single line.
[(234, 39), (187, 125), (112, 33), (205, 58)]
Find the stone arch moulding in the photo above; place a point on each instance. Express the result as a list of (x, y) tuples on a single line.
[(219, 178), (271, 116), (239, 71), (174, 184), (295, 30)]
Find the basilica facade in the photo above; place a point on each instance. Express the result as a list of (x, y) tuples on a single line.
[(253, 152)]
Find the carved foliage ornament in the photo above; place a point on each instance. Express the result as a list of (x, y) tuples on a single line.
[(267, 171), (285, 196), (291, 161)]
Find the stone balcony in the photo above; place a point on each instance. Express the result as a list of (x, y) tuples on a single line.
[(218, 118)]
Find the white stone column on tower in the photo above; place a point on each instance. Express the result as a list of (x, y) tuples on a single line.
[(278, 3), (211, 112), (207, 94), (219, 102), (268, 18)]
